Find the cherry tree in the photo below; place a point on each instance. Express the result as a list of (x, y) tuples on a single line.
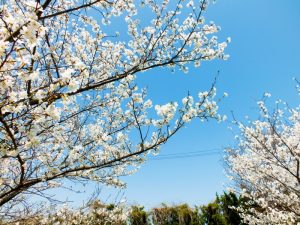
[(266, 166), (70, 108)]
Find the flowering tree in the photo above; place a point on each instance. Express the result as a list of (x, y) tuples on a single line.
[(97, 213), (266, 166), (69, 104)]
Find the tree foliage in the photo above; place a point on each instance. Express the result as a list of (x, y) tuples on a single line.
[(175, 215), (222, 211), (138, 216)]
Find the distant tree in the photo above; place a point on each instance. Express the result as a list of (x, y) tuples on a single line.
[(223, 210), (97, 213), (265, 166), (138, 216), (212, 214), (175, 215), (229, 203), (164, 215)]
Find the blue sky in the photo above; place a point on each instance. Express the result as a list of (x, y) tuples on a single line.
[(264, 57)]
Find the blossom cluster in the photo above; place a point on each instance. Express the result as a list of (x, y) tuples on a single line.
[(69, 104), (265, 166), (97, 213)]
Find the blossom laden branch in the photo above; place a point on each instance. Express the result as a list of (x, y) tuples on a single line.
[(68, 99)]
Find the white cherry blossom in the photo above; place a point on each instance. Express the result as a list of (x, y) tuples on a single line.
[(266, 166), (69, 102)]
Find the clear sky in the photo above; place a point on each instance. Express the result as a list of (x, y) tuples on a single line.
[(264, 57)]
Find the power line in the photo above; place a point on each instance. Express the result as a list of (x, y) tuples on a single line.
[(193, 154)]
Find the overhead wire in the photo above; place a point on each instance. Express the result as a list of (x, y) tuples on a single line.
[(193, 154)]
